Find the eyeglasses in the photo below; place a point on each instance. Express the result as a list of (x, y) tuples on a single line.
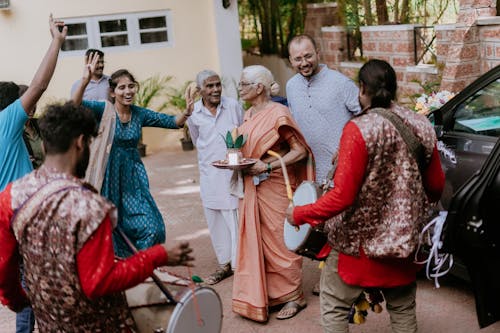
[(306, 57), (245, 84)]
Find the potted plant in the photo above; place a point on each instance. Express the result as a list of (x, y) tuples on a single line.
[(234, 142), (150, 89), (177, 100)]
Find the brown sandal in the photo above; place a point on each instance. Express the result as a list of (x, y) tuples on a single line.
[(290, 309), (220, 274)]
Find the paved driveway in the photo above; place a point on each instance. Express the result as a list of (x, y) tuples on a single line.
[(174, 183)]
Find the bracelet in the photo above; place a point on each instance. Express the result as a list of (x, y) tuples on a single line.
[(269, 168), (184, 114)]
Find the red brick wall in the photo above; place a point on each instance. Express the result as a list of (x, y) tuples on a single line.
[(333, 48), (489, 36), (320, 15)]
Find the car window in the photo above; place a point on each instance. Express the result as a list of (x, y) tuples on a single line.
[(480, 113)]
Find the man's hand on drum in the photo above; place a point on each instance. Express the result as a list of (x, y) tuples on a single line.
[(289, 215), (179, 255)]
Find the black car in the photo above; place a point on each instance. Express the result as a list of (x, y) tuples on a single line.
[(468, 127)]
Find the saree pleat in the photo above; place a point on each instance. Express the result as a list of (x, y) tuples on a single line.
[(267, 272)]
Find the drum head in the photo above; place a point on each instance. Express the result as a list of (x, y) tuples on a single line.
[(305, 194), (184, 319)]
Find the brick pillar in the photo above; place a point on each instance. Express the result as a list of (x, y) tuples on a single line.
[(333, 45), (463, 62), (320, 15), (444, 34)]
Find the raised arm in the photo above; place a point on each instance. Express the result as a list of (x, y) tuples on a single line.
[(88, 70), (42, 77)]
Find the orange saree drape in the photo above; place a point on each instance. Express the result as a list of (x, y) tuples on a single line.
[(267, 272)]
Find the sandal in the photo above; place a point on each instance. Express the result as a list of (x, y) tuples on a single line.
[(290, 309), (220, 274), (315, 289)]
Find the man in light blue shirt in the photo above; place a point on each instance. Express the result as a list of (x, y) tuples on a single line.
[(14, 110), (321, 100), (98, 87), (212, 116)]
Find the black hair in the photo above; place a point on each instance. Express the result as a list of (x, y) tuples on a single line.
[(380, 82), (62, 123), (89, 51), (115, 77), (301, 37), (9, 92)]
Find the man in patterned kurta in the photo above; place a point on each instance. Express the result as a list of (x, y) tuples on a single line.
[(62, 231)]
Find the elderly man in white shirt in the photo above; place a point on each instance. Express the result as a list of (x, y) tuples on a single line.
[(213, 115)]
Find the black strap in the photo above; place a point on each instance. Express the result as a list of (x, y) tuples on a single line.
[(415, 147)]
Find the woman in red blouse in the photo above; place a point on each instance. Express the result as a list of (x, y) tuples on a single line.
[(383, 198)]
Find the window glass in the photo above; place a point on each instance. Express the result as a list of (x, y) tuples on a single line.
[(153, 37), (77, 37), (132, 31), (153, 22), (113, 33), (113, 26), (115, 40), (153, 29), (75, 44), (480, 113)]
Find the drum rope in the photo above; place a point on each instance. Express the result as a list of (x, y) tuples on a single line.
[(195, 299), (155, 278)]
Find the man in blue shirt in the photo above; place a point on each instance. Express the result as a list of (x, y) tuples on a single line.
[(98, 87), (14, 158)]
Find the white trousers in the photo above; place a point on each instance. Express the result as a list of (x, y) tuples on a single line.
[(223, 227)]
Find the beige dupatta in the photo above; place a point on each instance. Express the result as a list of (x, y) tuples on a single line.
[(101, 148)]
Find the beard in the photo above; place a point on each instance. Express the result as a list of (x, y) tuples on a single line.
[(83, 163)]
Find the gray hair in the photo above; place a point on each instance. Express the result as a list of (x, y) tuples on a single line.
[(203, 75), (262, 75)]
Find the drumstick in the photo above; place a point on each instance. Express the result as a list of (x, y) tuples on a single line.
[(285, 175), (289, 192), (155, 278)]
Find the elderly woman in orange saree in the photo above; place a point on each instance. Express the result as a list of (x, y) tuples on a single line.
[(267, 273)]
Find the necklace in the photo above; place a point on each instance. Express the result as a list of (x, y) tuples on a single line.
[(125, 118)]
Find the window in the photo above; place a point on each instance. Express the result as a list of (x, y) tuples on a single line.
[(135, 30), (480, 113)]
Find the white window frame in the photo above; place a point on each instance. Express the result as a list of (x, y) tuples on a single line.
[(133, 32)]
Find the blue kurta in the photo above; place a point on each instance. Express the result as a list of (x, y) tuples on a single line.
[(126, 182)]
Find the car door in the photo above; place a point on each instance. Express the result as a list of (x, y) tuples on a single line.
[(473, 234), (468, 127)]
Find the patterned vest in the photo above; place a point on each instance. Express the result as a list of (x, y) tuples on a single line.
[(50, 235), (391, 207)]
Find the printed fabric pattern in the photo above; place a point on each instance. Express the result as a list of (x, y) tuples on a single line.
[(49, 242), (391, 207)]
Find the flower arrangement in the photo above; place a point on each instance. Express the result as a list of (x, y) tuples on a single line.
[(425, 104)]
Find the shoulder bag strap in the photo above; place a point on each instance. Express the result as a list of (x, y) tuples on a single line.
[(414, 145)]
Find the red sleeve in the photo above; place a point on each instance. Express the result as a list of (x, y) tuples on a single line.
[(101, 275), (11, 291), (433, 177), (348, 179)]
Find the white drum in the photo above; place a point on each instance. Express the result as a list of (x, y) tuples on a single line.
[(196, 312), (305, 240)]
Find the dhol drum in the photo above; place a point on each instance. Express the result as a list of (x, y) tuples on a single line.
[(195, 312), (305, 240)]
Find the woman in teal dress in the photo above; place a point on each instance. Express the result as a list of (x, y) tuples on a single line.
[(125, 180)]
